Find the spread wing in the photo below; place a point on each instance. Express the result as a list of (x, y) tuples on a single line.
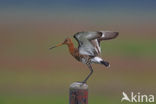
[(88, 43), (107, 35)]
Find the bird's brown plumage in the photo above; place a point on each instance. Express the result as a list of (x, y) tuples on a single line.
[(89, 49), (74, 51)]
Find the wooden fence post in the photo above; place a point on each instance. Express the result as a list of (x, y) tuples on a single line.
[(78, 93)]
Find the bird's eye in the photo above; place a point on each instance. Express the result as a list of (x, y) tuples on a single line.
[(66, 40)]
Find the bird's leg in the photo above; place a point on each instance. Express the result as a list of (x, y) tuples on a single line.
[(91, 72)]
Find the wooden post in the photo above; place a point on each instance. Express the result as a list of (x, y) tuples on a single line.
[(78, 93)]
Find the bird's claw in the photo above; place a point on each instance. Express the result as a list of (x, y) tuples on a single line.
[(82, 83)]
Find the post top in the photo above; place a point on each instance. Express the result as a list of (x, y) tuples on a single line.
[(79, 85)]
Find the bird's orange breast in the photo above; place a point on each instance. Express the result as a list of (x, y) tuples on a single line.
[(74, 51)]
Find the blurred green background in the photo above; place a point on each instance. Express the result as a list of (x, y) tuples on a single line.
[(31, 74)]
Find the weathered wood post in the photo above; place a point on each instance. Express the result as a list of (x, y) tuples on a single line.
[(78, 93)]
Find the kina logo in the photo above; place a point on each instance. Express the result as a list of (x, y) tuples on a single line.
[(137, 97)]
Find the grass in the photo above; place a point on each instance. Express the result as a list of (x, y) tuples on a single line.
[(128, 47), (14, 80), (51, 99), (44, 95), (33, 100)]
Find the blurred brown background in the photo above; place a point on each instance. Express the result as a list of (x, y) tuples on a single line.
[(30, 73)]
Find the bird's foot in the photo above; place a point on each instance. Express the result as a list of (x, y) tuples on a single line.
[(82, 83)]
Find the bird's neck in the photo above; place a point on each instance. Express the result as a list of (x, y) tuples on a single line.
[(74, 51), (71, 48)]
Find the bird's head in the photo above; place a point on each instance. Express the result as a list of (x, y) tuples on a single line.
[(67, 41)]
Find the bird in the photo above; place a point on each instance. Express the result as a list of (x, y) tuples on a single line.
[(88, 51)]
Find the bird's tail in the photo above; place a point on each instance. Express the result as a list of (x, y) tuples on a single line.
[(99, 60), (105, 63)]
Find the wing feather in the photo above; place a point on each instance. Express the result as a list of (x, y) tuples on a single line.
[(107, 35), (88, 44)]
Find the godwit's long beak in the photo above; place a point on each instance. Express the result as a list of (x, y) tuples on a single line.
[(60, 44)]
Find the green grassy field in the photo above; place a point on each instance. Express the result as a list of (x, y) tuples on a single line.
[(40, 99), (50, 100), (45, 77)]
